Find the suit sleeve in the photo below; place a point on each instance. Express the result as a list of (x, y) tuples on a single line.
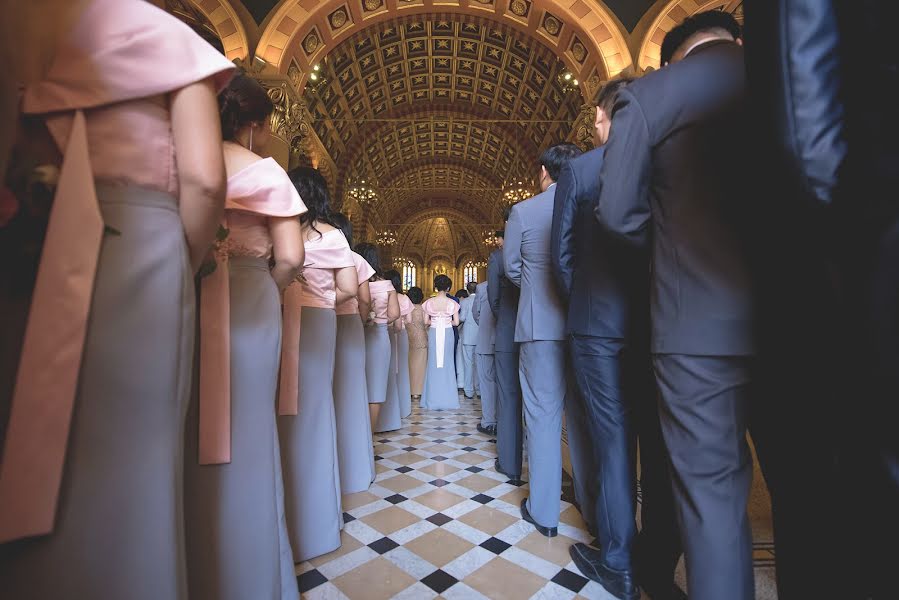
[(624, 207), (562, 243), (512, 248), (494, 272), (476, 307)]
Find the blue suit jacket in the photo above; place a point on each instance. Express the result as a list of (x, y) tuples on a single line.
[(604, 282)]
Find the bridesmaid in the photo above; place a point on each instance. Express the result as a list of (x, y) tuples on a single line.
[(385, 309), (354, 445), (127, 106), (403, 388), (441, 313), (306, 421), (234, 492), (418, 343)]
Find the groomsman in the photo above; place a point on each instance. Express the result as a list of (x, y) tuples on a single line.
[(606, 288), (469, 339), (503, 298), (540, 329), (486, 369), (671, 181)]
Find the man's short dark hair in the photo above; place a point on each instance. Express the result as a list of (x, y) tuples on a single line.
[(555, 157), (608, 93), (501, 233), (415, 295), (472, 287), (709, 20)]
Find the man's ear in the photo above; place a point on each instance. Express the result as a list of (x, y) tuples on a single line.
[(739, 41), (598, 117)]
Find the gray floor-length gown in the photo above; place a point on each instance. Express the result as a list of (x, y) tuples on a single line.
[(440, 390), (390, 417), (354, 446)]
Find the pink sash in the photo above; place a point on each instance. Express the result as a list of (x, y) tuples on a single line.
[(47, 380)]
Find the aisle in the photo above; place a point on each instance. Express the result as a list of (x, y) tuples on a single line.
[(439, 522)]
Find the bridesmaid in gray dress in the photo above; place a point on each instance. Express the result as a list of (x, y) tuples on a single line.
[(385, 309), (309, 429), (139, 198), (234, 502), (354, 444), (441, 313), (401, 366)]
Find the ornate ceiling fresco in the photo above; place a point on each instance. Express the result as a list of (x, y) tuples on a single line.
[(436, 105)]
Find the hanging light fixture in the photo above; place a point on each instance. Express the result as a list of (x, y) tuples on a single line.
[(480, 264), (568, 81), (516, 192), (490, 238), (362, 192), (386, 237)]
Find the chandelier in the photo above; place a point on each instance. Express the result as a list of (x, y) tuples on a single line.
[(515, 193), (568, 81), (362, 193), (386, 238), (480, 264), (491, 240)]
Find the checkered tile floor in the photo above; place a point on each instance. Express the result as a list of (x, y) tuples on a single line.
[(440, 522)]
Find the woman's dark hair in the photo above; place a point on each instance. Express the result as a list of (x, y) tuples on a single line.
[(463, 293), (396, 279), (313, 189), (416, 295), (370, 253), (244, 101), (341, 221), (442, 283)]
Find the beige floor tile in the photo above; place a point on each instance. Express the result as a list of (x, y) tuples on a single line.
[(478, 483), (471, 458), (407, 458), (390, 519), (439, 469), (439, 547), (384, 448), (488, 520), (502, 580), (571, 516), (400, 483), (377, 579), (411, 441), (439, 449), (347, 544), (554, 550), (351, 501), (515, 496), (379, 468), (439, 499)]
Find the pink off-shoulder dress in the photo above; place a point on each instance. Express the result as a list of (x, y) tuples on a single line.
[(93, 452), (233, 483), (309, 438)]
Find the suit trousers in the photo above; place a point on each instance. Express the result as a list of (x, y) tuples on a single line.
[(543, 391), (581, 450), (705, 401), (598, 366), (509, 431), (471, 376), (486, 370)]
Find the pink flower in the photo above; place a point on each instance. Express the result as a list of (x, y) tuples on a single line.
[(9, 206)]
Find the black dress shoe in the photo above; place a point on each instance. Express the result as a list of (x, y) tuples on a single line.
[(545, 531), (620, 584), (512, 478), (489, 430)]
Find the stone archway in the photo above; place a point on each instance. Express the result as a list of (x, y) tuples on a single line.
[(228, 26)]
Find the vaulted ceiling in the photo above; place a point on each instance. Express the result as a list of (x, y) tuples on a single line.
[(438, 105)]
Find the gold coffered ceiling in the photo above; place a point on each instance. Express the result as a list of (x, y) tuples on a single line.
[(447, 106)]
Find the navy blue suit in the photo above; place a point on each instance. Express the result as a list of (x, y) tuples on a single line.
[(606, 287)]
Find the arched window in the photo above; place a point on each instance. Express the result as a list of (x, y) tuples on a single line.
[(470, 273), (410, 276)]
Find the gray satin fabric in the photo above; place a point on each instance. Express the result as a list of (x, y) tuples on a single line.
[(403, 385), (390, 419), (377, 362), (354, 448), (119, 525), (440, 390), (234, 513), (543, 392), (309, 444)]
